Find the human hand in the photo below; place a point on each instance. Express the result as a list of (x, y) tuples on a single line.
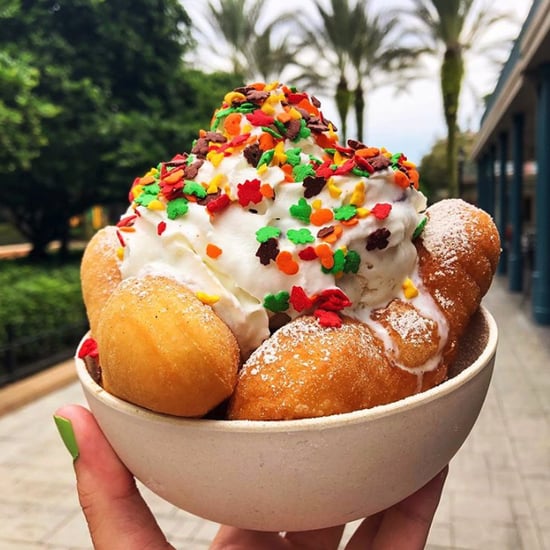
[(119, 518)]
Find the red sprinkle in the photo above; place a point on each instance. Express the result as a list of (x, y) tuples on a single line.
[(88, 349), (381, 210), (328, 318), (299, 299), (332, 299), (120, 239), (249, 191), (218, 204), (127, 220), (308, 254), (161, 227), (259, 118)]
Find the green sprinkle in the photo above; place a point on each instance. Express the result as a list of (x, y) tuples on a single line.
[(339, 263), (301, 210), (293, 156), (361, 173), (345, 212), (152, 189), (268, 232), (194, 188), (353, 260), (420, 227), (302, 171), (177, 207), (266, 157), (304, 132), (277, 302), (145, 199), (300, 236), (219, 115), (246, 107), (273, 132), (280, 126)]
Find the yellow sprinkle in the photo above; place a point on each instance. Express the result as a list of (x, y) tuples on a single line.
[(262, 169), (247, 128), (338, 158), (279, 153), (267, 108), (409, 289), (120, 253), (136, 191), (294, 113), (155, 205), (358, 195), (331, 131), (271, 86), (362, 212), (214, 158), (316, 204), (232, 96), (333, 189), (215, 183), (208, 299)]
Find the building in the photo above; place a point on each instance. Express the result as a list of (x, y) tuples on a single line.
[(512, 153)]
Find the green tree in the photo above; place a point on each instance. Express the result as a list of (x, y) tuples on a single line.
[(113, 73), (360, 49), (448, 30), (21, 113), (255, 51)]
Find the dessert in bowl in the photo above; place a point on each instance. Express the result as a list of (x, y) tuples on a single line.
[(275, 292), (301, 474)]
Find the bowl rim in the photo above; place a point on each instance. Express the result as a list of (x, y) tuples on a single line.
[(318, 423)]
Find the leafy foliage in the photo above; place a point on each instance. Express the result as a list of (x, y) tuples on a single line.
[(103, 96)]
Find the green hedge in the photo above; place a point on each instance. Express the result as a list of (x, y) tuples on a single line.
[(41, 306)]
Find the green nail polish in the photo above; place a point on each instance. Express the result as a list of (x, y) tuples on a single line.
[(66, 432)]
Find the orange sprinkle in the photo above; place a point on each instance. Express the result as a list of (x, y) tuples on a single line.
[(266, 142), (232, 124), (267, 191), (401, 179), (213, 251), (350, 222), (174, 177), (308, 106), (413, 174), (286, 263), (145, 180), (367, 152), (335, 235), (321, 216), (127, 229), (287, 169), (324, 252), (284, 116)]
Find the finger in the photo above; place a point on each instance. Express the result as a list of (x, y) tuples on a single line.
[(405, 525), (117, 515), (245, 539), (320, 539)]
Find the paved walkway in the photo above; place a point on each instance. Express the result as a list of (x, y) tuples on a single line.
[(497, 495)]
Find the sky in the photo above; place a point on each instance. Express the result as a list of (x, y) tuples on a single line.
[(410, 121)]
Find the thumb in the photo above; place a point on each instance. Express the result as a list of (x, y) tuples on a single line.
[(117, 515)]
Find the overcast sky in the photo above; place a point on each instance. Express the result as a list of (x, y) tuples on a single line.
[(409, 122)]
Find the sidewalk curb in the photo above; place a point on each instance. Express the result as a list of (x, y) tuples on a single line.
[(18, 394)]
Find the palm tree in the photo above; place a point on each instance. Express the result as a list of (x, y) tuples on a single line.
[(360, 50), (449, 29), (253, 52)]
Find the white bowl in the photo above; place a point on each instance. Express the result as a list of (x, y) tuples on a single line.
[(301, 474)]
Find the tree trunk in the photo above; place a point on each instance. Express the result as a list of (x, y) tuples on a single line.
[(343, 101), (452, 71), (359, 106)]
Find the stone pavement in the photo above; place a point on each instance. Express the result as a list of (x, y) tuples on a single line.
[(497, 494)]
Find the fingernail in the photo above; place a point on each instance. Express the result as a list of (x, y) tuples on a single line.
[(66, 432)]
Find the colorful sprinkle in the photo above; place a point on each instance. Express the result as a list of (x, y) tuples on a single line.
[(277, 302), (286, 263), (268, 232)]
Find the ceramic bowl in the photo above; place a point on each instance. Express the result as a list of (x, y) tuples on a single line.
[(301, 474)]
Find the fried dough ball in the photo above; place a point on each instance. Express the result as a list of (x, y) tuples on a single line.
[(306, 370), (99, 273), (163, 349)]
